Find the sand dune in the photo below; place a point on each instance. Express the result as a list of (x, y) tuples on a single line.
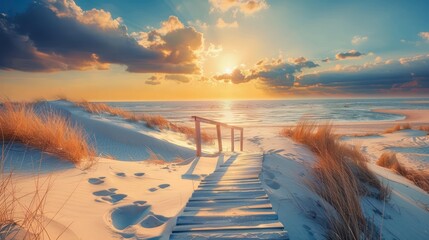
[(132, 195)]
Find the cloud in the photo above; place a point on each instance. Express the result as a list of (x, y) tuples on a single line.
[(222, 24), (272, 73), (349, 54), (58, 35), (198, 24), (153, 80), (424, 35), (404, 74), (213, 50), (356, 40), (244, 6), (236, 77), (157, 79), (178, 78)]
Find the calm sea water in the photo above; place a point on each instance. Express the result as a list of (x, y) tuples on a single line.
[(276, 112)]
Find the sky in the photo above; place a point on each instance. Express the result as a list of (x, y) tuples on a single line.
[(213, 49)]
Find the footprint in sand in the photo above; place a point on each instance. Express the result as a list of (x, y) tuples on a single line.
[(125, 217), (272, 184), (139, 174), (103, 193), (140, 202), (161, 186), (152, 221), (120, 174), (164, 185), (269, 175), (128, 215), (109, 195), (96, 181), (114, 198)]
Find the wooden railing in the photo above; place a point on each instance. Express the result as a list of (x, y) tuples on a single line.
[(199, 120)]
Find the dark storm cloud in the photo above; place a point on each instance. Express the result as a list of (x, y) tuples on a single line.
[(57, 36)]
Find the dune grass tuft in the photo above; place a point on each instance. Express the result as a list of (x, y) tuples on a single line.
[(152, 121), (45, 130), (341, 176), (190, 133), (398, 127), (155, 121), (20, 218), (21, 214), (419, 178)]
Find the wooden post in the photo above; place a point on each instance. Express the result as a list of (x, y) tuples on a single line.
[(232, 139), (241, 140), (198, 140), (198, 137), (219, 137)]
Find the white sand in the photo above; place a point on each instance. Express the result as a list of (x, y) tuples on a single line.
[(127, 197)]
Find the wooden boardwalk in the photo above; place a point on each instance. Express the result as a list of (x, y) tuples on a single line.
[(230, 204)]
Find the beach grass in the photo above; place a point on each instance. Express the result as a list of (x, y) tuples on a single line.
[(398, 127), (341, 176), (419, 178), (22, 215), (152, 121), (44, 130)]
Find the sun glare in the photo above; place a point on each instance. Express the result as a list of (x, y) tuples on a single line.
[(228, 70)]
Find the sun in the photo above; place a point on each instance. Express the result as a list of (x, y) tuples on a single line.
[(228, 70)]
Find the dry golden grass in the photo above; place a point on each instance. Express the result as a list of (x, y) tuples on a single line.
[(398, 127), (419, 178), (152, 121), (362, 135), (341, 176), (155, 121), (99, 108), (190, 133), (46, 131), (22, 215)]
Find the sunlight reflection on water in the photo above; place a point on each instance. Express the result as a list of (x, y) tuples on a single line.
[(276, 112)]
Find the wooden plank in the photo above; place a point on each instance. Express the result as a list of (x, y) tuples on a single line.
[(198, 137), (205, 120), (232, 139), (264, 226), (230, 203), (248, 185), (231, 235), (187, 218), (230, 182), (226, 207), (227, 203), (230, 194), (241, 140), (219, 137), (225, 198)]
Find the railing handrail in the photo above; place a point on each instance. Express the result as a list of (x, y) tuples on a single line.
[(206, 120), (199, 120)]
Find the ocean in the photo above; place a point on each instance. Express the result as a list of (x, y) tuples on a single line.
[(276, 112)]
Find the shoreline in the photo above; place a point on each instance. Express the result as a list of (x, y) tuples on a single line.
[(416, 117), (411, 115)]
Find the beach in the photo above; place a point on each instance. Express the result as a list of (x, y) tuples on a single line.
[(143, 178)]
